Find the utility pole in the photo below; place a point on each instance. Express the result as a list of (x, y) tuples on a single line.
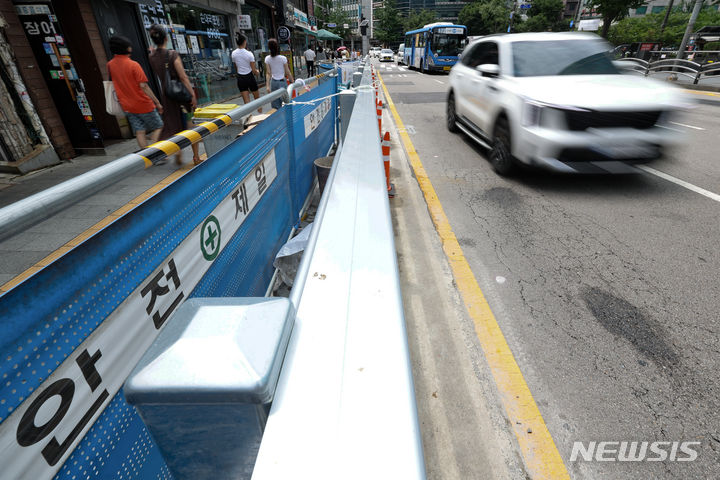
[(689, 29), (579, 14), (513, 12), (665, 20)]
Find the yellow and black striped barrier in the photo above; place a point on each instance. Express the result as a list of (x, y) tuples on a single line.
[(165, 148)]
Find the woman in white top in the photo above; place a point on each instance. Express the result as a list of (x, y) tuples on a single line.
[(276, 70), (246, 70)]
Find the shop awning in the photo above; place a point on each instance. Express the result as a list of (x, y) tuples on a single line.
[(307, 32), (323, 34)]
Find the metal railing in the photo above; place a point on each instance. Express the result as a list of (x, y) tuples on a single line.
[(345, 406), (689, 70), (29, 211)]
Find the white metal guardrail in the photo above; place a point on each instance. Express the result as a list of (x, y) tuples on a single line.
[(345, 404), (684, 71)]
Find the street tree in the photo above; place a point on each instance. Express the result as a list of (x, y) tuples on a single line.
[(328, 12), (389, 26), (648, 28), (544, 16), (419, 19), (484, 17), (612, 10)]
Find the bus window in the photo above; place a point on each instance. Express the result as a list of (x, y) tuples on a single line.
[(447, 45)]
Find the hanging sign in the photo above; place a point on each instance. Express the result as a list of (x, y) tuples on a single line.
[(283, 34)]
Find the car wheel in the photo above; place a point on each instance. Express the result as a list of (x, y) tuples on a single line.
[(500, 156), (451, 115)]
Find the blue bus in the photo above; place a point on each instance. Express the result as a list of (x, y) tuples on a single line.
[(435, 47)]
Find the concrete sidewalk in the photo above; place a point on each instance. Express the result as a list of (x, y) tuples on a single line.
[(27, 252)]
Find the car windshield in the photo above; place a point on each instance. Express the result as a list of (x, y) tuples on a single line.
[(447, 45), (387, 51), (562, 57)]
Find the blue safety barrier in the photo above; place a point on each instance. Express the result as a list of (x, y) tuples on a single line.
[(70, 334)]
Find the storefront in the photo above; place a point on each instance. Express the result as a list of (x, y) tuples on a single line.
[(257, 25), (203, 39), (56, 45)]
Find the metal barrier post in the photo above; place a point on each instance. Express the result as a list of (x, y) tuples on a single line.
[(357, 78), (346, 99), (209, 425)]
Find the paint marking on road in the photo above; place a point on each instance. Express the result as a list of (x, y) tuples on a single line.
[(542, 459), (439, 81), (682, 183), (709, 94), (688, 126)]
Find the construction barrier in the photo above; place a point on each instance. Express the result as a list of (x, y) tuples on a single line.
[(71, 333)]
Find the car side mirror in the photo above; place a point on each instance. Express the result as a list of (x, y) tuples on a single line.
[(488, 69)]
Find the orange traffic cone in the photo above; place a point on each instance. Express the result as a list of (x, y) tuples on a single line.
[(386, 161), (379, 115)]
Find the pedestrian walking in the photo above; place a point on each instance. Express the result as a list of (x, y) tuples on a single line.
[(310, 60), (137, 100), (163, 60), (244, 61), (277, 70)]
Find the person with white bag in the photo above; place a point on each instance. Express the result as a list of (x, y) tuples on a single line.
[(137, 100)]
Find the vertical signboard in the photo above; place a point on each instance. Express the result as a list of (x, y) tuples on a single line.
[(54, 61)]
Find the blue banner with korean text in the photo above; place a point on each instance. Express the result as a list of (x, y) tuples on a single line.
[(71, 334)]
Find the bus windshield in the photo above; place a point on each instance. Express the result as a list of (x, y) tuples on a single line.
[(447, 45)]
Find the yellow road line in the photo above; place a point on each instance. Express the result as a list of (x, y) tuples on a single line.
[(701, 92), (95, 228), (542, 459)]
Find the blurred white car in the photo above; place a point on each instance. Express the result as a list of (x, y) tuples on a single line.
[(387, 55), (557, 101), (401, 53), (375, 52)]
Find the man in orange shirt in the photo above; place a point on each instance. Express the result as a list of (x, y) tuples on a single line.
[(134, 93)]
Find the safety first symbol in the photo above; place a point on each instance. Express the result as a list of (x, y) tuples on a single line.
[(42, 432)]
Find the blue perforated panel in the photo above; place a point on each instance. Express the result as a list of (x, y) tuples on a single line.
[(47, 318), (118, 446), (315, 145)]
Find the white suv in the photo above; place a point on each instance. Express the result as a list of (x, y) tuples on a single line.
[(557, 101), (375, 51)]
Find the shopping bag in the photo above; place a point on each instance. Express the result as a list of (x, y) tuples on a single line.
[(112, 105)]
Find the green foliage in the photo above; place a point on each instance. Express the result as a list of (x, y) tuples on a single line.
[(544, 16), (389, 27), (419, 19), (328, 11), (647, 28), (612, 10), (484, 17)]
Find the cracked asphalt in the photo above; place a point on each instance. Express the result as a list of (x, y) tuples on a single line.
[(606, 287)]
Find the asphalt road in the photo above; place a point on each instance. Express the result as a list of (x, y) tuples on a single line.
[(606, 287)]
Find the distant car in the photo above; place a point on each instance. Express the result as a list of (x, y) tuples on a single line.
[(401, 53), (375, 52), (387, 55), (557, 101)]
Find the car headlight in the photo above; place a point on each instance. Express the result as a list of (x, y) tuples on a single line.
[(546, 115), (531, 114)]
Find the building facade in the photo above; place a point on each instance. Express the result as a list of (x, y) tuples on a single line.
[(53, 57)]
